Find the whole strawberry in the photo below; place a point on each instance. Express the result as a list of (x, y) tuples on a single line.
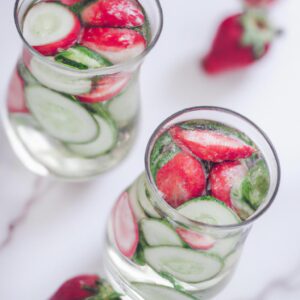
[(241, 40), (85, 287), (259, 3)]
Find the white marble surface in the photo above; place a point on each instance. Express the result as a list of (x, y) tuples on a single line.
[(51, 230)]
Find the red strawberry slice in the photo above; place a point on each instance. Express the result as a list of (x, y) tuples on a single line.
[(106, 88), (211, 145), (16, 102), (78, 288), (125, 226), (223, 176), (51, 27), (70, 2), (113, 13), (196, 240), (181, 179), (241, 40), (115, 44)]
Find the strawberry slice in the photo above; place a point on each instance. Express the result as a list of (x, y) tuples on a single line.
[(196, 240), (115, 44), (222, 178), (113, 13), (106, 88), (259, 2), (70, 2), (125, 226), (16, 102), (211, 145), (78, 288), (50, 27), (181, 179)]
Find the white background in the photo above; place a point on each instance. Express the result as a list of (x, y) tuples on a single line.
[(61, 235)]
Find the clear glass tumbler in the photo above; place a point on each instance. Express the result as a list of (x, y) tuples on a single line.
[(146, 257), (49, 141)]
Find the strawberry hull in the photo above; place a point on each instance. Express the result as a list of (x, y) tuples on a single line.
[(77, 288), (239, 42)]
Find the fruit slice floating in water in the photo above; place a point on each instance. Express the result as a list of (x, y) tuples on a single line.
[(106, 88), (16, 102), (181, 179), (50, 27), (223, 176), (125, 226), (115, 44), (211, 145), (113, 13), (196, 240)]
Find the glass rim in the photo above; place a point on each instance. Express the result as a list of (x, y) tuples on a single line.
[(172, 212), (97, 71)]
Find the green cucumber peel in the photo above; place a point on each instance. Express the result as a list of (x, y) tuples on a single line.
[(25, 74), (174, 282), (256, 184), (139, 257), (81, 58), (163, 151)]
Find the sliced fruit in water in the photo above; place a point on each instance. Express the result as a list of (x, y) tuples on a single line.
[(59, 80), (256, 185), (106, 88), (196, 240), (124, 107), (159, 292), (61, 116), (240, 204), (208, 210), (81, 58), (143, 197), (16, 102), (26, 75), (183, 264), (115, 44), (211, 145), (50, 27), (125, 226), (181, 179), (113, 13), (70, 2), (223, 176), (105, 141), (159, 233)]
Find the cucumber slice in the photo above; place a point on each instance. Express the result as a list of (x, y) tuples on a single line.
[(60, 116), (159, 233), (243, 209), (256, 184), (59, 80), (225, 245), (82, 58), (183, 264), (208, 210), (159, 292), (143, 197), (20, 119), (124, 107), (26, 75), (133, 198), (105, 141)]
